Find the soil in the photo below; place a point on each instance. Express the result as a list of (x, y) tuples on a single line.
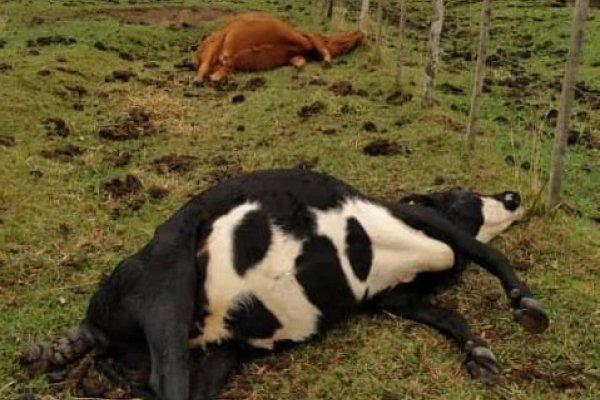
[(64, 154), (157, 192), (167, 15), (313, 109), (120, 188), (7, 140), (120, 76), (255, 83), (224, 172), (238, 98), (56, 127), (4, 67), (369, 127), (138, 123), (118, 159), (174, 163), (342, 88), (449, 88), (51, 40), (568, 377), (397, 98), (384, 147)]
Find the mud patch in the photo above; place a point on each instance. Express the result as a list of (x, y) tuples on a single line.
[(56, 127), (63, 154), (167, 16), (7, 140), (342, 88), (120, 188), (224, 170), (157, 192), (138, 123), (118, 159), (384, 147), (4, 67), (312, 109), (255, 83), (120, 76), (51, 40), (397, 98), (174, 163)]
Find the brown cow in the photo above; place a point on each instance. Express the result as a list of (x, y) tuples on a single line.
[(259, 41)]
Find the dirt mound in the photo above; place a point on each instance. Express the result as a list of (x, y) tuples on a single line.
[(7, 140), (384, 147), (174, 163), (120, 188), (167, 16), (138, 123), (64, 154), (313, 109)]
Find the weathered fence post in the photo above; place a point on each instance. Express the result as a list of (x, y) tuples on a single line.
[(484, 33), (433, 50), (566, 102), (364, 16), (400, 59)]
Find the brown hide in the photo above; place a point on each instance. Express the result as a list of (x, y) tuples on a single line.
[(259, 41)]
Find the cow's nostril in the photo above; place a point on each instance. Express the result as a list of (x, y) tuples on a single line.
[(512, 200)]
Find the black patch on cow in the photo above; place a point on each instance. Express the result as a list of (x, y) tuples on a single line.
[(251, 241), (358, 249), (319, 271), (252, 320)]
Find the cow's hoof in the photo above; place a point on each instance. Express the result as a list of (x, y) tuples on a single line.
[(483, 365), (531, 316)]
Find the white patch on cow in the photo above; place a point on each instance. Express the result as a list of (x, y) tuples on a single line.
[(272, 281), (496, 218), (400, 252)]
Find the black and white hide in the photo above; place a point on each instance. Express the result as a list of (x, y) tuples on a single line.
[(276, 257)]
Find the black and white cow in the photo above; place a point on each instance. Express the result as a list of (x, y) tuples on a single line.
[(276, 257)]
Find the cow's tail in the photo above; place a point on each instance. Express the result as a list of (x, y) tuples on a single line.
[(343, 42), (49, 356)]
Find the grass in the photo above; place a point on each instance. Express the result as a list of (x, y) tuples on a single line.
[(60, 231)]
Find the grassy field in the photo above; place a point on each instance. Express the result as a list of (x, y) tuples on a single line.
[(93, 91)]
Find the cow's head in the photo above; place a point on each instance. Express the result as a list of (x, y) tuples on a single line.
[(483, 216)]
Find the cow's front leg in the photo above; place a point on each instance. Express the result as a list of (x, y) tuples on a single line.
[(210, 369), (480, 361), (526, 310)]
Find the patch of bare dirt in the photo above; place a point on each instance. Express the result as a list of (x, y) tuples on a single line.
[(384, 147), (138, 123), (64, 154), (174, 163), (445, 122), (313, 109), (183, 17), (7, 140), (121, 188)]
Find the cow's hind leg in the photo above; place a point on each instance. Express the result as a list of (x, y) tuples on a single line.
[(210, 369), (526, 310), (480, 361)]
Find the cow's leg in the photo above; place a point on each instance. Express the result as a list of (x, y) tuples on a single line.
[(168, 344), (210, 369), (480, 361), (319, 44), (219, 73), (298, 62), (526, 310)]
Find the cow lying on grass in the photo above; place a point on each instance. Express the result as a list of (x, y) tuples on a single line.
[(259, 41), (276, 257)]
